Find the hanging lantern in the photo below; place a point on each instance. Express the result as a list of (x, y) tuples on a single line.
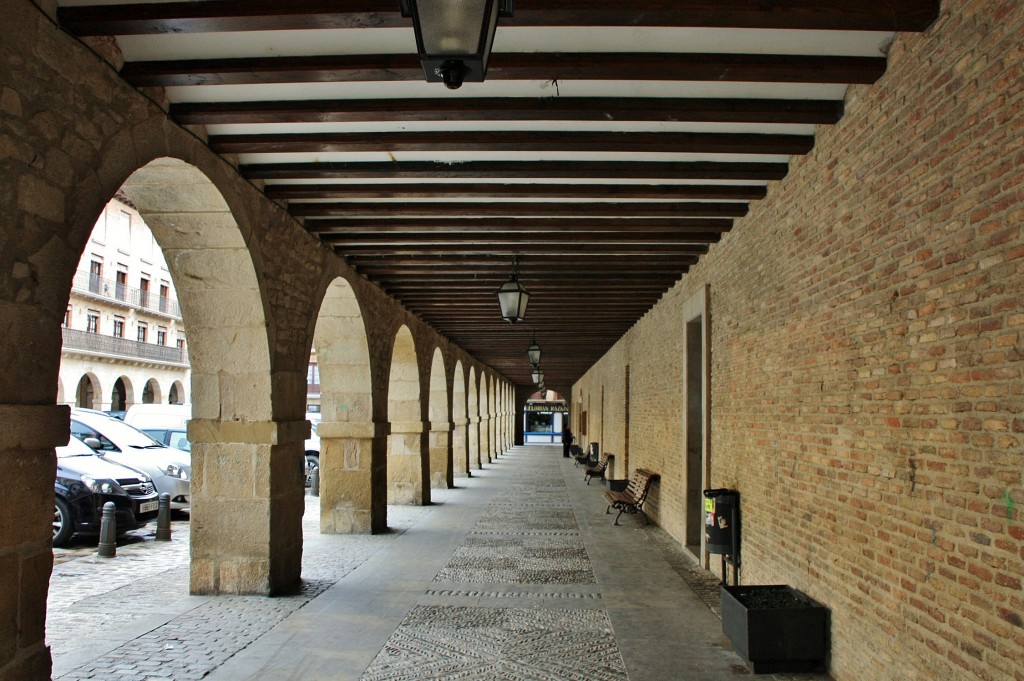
[(513, 296), (533, 352), (454, 37), (538, 376)]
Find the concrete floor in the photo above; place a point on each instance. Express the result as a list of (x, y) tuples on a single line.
[(517, 573)]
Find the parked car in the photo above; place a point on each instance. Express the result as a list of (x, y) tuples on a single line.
[(312, 446), (166, 423), (86, 481), (169, 468)]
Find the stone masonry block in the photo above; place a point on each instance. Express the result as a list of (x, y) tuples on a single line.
[(34, 427)]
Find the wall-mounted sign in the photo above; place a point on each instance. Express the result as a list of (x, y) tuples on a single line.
[(561, 407)]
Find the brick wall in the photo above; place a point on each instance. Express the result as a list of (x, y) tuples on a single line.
[(867, 322)]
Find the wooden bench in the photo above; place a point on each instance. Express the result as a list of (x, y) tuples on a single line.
[(598, 469), (579, 454), (631, 500)]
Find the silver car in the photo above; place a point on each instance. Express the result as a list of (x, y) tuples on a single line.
[(119, 442)]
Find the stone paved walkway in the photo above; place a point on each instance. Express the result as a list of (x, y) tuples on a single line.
[(515, 574)]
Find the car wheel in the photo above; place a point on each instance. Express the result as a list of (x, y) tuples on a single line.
[(312, 464), (63, 522)]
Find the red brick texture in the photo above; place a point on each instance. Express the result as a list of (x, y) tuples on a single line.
[(867, 324)]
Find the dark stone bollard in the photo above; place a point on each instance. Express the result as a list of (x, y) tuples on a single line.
[(163, 518), (108, 532), (314, 482)]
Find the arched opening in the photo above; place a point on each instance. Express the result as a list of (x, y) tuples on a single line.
[(473, 407), (176, 394), (251, 540), (440, 450), (407, 468), (85, 394), (119, 395), (493, 417), (346, 430), (151, 393), (545, 417), (460, 454), (485, 420)]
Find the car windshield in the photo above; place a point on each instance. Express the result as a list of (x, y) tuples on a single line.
[(114, 431), (74, 447)]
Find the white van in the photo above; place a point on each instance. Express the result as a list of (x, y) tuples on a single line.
[(165, 423)]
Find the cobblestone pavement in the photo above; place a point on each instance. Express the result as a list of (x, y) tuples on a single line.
[(526, 539), (520, 574), (130, 618)]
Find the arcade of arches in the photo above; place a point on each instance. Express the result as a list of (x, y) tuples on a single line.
[(849, 357)]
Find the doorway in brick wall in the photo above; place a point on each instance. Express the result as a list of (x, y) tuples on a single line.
[(696, 418)]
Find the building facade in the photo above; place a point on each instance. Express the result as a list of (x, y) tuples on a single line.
[(123, 338)]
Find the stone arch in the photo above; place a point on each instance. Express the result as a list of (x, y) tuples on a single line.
[(406, 465), (485, 419), (460, 437), (152, 394), (503, 414), (176, 394), (122, 394), (439, 413), (53, 196), (346, 428), (492, 407), (473, 408), (88, 391), (232, 430)]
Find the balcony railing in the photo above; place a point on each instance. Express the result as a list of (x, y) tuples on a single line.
[(75, 339), (108, 289)]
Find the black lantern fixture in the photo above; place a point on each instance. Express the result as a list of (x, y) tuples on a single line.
[(513, 296), (454, 37), (538, 376), (533, 352)]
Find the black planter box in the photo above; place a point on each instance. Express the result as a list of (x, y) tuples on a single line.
[(775, 628)]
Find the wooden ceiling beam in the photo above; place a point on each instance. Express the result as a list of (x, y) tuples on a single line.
[(516, 225), (537, 261), (513, 241), (447, 191), (571, 275), (529, 66), (563, 251), (567, 269), (534, 170), (620, 209), (514, 140), (511, 109), (262, 15)]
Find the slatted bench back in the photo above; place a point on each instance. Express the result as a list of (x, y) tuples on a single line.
[(640, 484)]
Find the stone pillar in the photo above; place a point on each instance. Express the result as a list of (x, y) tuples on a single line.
[(247, 506), (485, 438), (440, 447), (460, 448), (507, 419), (474, 443), (406, 467), (26, 511), (346, 475)]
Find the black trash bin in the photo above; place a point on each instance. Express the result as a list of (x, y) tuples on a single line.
[(721, 521)]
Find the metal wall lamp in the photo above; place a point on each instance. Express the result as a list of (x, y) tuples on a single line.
[(454, 37), (513, 296)]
